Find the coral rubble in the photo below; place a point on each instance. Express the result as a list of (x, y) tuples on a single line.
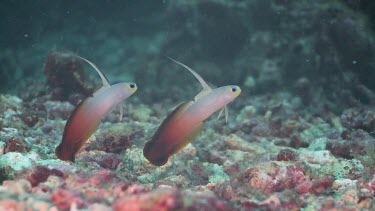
[(299, 137)]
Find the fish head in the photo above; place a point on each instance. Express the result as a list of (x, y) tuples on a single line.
[(130, 87), (231, 92), (123, 90)]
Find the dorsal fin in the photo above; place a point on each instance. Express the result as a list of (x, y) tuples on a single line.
[(206, 88), (102, 76)]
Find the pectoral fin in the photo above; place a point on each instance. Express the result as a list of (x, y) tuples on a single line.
[(226, 113), (121, 108)]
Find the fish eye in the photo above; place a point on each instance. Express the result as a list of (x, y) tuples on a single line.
[(234, 89), (132, 85)]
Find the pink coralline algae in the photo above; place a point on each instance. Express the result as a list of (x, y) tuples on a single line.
[(16, 144), (322, 184), (369, 186), (288, 127), (169, 199), (204, 201), (113, 144), (274, 177), (40, 174), (359, 118), (161, 199), (108, 161), (351, 145), (29, 118), (321, 157), (80, 191), (304, 187), (272, 203), (261, 130), (63, 199), (286, 155)]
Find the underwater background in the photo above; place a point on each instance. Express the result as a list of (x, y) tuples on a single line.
[(300, 136)]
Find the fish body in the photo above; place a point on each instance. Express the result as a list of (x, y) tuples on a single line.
[(85, 118), (185, 122)]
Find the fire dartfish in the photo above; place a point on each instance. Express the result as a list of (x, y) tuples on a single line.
[(185, 122), (85, 118)]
